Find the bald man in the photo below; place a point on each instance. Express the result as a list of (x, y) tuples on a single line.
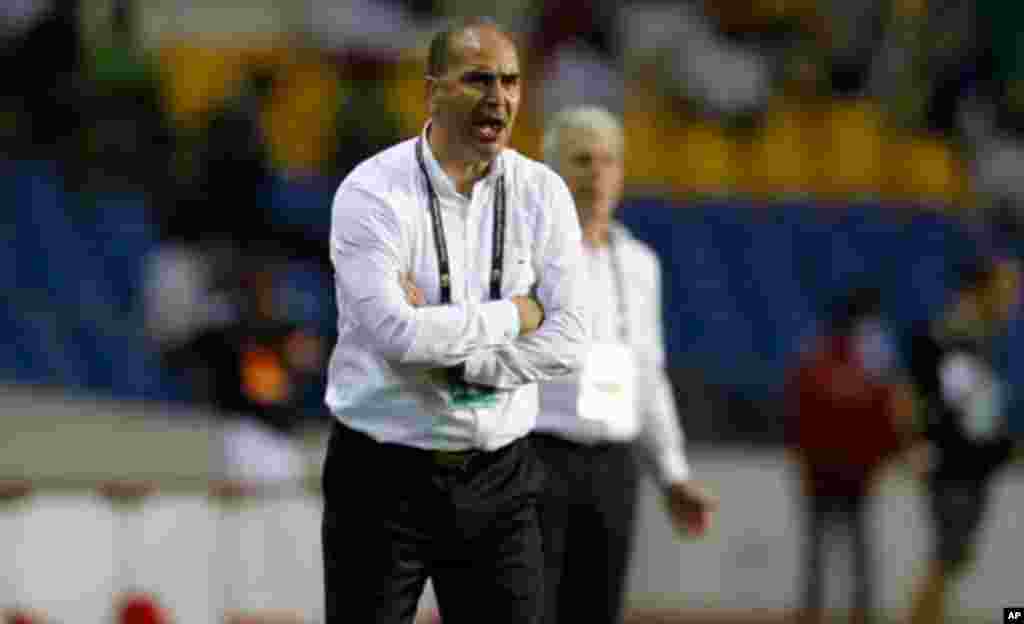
[(459, 269)]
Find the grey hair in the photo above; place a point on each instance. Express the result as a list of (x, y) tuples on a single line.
[(593, 118)]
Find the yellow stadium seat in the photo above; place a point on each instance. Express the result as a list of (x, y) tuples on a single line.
[(199, 76), (300, 121), (408, 92), (648, 149), (702, 159), (783, 154), (926, 169), (528, 134), (852, 143)]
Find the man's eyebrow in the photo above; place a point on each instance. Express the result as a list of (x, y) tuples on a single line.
[(491, 72)]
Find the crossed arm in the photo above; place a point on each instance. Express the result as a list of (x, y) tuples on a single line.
[(503, 344)]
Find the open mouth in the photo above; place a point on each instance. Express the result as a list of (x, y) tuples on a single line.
[(489, 128)]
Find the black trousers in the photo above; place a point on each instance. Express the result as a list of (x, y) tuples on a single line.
[(958, 507), (824, 515), (587, 517), (395, 516)]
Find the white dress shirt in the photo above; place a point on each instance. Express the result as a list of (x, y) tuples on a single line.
[(382, 377), (657, 426)]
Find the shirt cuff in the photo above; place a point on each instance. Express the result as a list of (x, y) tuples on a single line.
[(501, 319), (672, 467)]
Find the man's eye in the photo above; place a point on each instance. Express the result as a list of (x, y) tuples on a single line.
[(510, 81)]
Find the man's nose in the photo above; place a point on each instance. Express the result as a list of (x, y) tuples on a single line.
[(494, 92)]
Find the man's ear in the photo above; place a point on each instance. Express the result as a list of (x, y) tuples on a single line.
[(430, 89)]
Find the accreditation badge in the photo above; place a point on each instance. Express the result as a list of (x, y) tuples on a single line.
[(457, 394), (606, 393)]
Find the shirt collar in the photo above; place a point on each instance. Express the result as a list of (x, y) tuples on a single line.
[(441, 181)]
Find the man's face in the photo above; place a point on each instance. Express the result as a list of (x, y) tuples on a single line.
[(590, 161), (477, 99)]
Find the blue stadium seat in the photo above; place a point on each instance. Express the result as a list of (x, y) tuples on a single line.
[(306, 294), (120, 363), (54, 252), (705, 327), (120, 232), (303, 203), (42, 350), (24, 359)]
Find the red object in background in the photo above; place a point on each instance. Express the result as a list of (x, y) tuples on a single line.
[(842, 421), (141, 609), (22, 618)]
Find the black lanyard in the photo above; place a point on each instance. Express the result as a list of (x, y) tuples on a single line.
[(441, 245), (619, 279)]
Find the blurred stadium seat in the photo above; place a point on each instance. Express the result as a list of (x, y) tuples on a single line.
[(925, 170), (408, 92), (702, 159), (303, 202), (301, 118), (783, 158), (853, 141), (198, 76)]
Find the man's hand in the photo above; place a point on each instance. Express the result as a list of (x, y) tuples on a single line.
[(690, 508), (531, 314), (921, 458), (413, 294)]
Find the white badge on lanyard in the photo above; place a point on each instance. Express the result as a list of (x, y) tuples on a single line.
[(606, 389), (969, 384)]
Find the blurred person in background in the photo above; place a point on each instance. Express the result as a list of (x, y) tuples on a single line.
[(228, 164), (257, 370), (589, 423), (459, 274), (964, 402), (43, 64), (848, 416)]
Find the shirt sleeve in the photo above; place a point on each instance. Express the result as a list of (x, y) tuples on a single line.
[(556, 348), (366, 251), (661, 435), (958, 379)]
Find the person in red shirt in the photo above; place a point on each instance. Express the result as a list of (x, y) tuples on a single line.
[(845, 422)]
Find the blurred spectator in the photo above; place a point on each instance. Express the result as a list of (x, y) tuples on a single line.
[(262, 371), (182, 294), (379, 27), (260, 365), (693, 60), (578, 73), (932, 56), (847, 419), (42, 66), (17, 15), (225, 170), (355, 139), (126, 137), (993, 118), (856, 28), (591, 424), (964, 403), (232, 166)]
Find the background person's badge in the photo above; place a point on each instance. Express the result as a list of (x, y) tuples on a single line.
[(607, 389)]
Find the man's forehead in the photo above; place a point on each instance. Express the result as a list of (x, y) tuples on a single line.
[(485, 47), (591, 138)]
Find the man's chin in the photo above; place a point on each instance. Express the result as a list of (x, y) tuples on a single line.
[(489, 150), (594, 208)]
